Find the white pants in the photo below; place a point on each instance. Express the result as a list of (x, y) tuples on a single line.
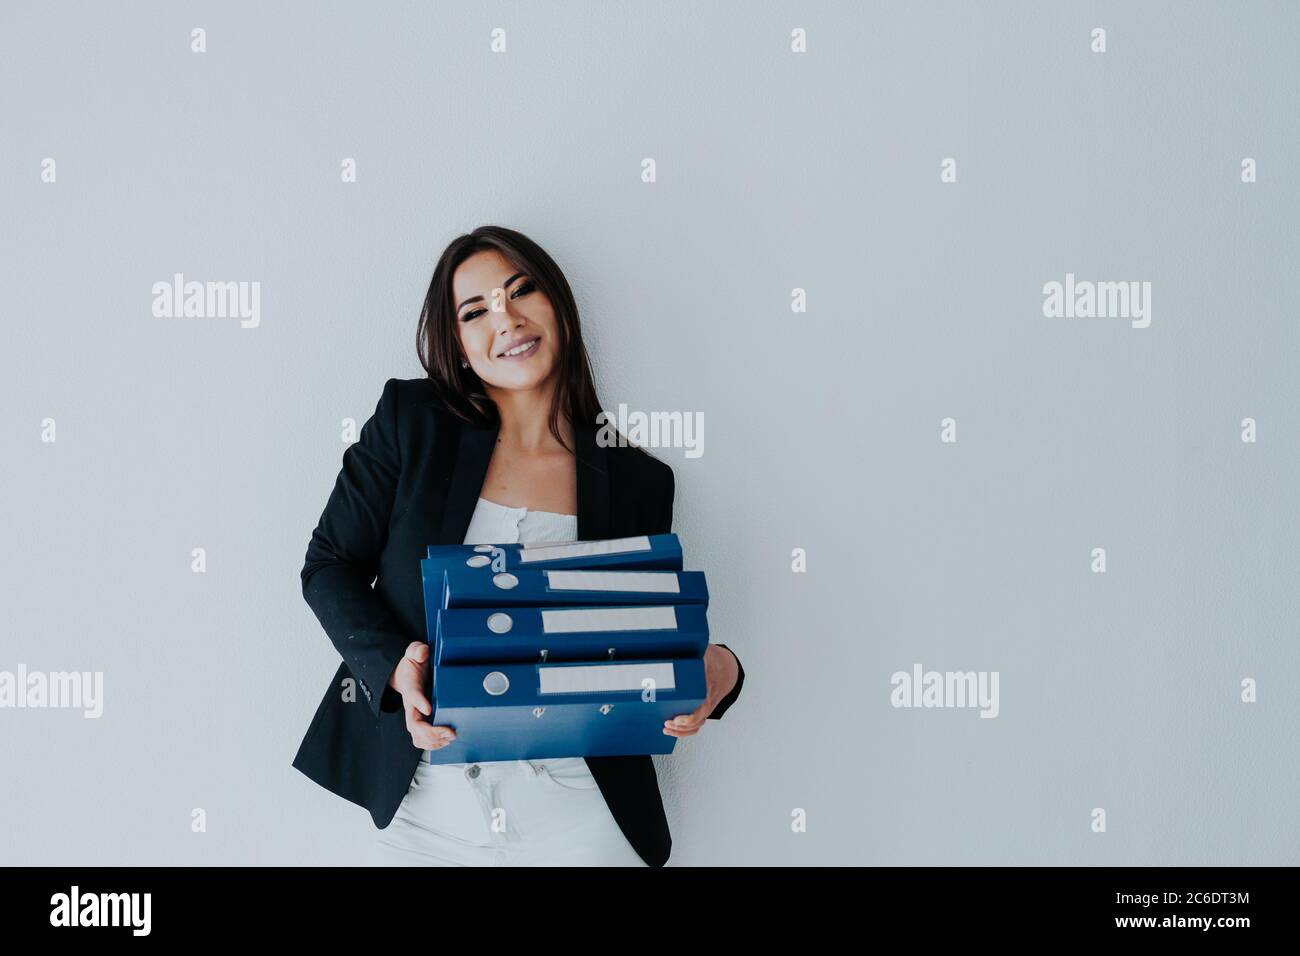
[(504, 813)]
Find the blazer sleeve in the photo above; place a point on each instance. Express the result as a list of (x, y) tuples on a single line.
[(730, 699), (343, 558)]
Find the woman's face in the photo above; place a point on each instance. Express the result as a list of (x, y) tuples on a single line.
[(506, 323)]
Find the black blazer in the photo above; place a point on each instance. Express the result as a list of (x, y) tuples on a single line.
[(413, 479)]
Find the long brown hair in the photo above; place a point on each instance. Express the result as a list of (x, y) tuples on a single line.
[(437, 340)]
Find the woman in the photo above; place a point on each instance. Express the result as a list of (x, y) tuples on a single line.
[(497, 444)]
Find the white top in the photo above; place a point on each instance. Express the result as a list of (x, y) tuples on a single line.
[(496, 524)]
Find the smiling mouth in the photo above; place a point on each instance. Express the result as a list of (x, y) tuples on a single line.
[(522, 350)]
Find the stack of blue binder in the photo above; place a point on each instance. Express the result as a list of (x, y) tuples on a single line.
[(580, 649)]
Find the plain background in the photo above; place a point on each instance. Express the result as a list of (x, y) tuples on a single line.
[(776, 171)]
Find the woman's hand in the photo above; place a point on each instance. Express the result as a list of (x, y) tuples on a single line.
[(408, 679), (720, 674)]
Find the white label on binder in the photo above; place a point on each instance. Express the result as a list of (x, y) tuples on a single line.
[(610, 619), (584, 549), (593, 678), (663, 582)]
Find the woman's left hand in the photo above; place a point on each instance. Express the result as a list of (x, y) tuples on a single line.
[(720, 674)]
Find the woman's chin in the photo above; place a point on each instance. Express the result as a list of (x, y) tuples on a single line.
[(520, 379)]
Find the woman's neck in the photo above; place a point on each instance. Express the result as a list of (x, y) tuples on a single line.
[(525, 420)]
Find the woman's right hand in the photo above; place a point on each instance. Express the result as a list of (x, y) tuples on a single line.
[(408, 679)]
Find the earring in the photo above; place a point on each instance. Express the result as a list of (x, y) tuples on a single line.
[(464, 364)]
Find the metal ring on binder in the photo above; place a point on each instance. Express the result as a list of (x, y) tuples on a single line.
[(606, 708), (611, 653), (538, 711), (544, 653), (505, 580), (500, 622), (496, 683)]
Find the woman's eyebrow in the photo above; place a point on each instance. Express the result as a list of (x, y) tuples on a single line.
[(479, 298)]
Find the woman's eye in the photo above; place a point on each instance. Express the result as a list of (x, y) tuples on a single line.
[(521, 290)]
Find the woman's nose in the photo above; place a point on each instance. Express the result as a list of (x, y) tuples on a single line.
[(506, 319)]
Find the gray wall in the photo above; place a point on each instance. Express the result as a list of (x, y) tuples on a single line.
[(775, 171)]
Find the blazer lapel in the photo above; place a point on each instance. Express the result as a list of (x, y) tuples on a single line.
[(474, 452), (472, 456), (593, 484)]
